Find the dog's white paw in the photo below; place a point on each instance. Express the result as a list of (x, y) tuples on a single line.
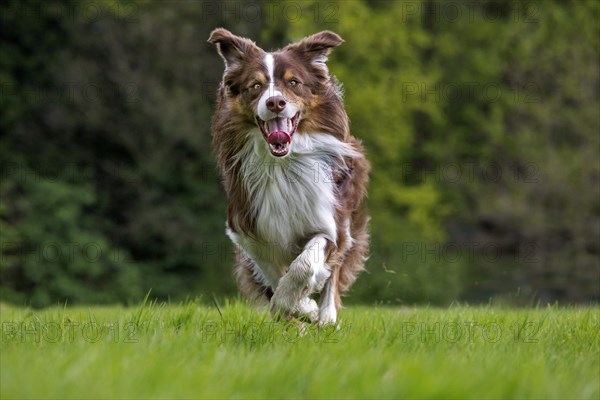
[(308, 308), (305, 307), (327, 315)]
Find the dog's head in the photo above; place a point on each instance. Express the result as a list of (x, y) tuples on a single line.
[(279, 92)]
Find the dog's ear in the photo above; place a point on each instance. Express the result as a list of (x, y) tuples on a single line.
[(317, 47), (233, 49)]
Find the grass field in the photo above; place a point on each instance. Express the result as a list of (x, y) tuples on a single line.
[(198, 350)]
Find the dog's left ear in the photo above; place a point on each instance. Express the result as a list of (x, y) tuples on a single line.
[(233, 49), (317, 47)]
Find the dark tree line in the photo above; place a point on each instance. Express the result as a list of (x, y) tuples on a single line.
[(482, 126)]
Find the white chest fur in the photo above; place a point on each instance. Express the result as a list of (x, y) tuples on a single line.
[(292, 198)]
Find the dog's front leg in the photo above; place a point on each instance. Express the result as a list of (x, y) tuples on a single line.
[(307, 274), (327, 309)]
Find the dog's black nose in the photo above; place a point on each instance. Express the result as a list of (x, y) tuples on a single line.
[(276, 104)]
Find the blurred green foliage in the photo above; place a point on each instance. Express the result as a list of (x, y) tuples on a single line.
[(480, 120)]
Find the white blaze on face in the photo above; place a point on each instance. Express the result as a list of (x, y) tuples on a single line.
[(263, 111), (270, 63)]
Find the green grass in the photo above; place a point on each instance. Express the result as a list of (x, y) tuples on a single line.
[(196, 350)]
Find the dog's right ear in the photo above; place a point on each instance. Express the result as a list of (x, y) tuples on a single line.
[(233, 49)]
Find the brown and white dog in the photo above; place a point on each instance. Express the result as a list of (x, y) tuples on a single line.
[(295, 178)]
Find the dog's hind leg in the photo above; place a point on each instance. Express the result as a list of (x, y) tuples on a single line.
[(248, 282), (307, 274)]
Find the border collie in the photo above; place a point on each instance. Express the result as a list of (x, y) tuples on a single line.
[(295, 178)]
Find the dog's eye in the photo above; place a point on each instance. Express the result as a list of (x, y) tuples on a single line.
[(293, 82), (257, 86)]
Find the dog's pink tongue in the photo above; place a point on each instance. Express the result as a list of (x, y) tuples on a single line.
[(278, 131), (277, 124), (279, 137)]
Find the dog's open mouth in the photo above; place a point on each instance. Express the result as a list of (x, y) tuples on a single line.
[(278, 133)]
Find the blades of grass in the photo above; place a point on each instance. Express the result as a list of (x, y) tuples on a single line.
[(140, 310), (216, 303)]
